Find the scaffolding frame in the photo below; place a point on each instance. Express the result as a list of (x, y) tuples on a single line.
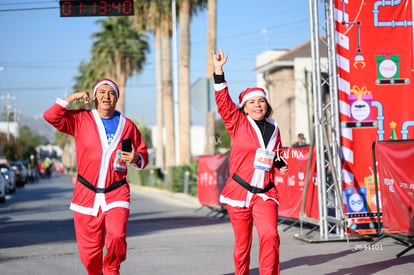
[(326, 136)]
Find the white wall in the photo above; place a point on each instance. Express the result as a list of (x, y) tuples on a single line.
[(263, 58), (197, 135), (12, 128), (303, 96)]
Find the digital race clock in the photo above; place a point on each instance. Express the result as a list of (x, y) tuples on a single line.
[(96, 8)]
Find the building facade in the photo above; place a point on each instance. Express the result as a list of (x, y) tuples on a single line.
[(287, 77)]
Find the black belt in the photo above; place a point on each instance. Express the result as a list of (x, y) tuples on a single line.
[(110, 188), (250, 188)]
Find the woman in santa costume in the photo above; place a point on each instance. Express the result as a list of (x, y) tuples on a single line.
[(101, 195), (250, 194)]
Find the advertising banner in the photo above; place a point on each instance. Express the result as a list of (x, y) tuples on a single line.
[(396, 181), (374, 58), (292, 185), (213, 172), (212, 175)]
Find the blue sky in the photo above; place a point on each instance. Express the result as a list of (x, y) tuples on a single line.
[(40, 52)]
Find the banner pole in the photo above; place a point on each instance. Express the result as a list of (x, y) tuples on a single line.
[(305, 188), (376, 187)]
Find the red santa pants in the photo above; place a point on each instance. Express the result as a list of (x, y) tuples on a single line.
[(91, 237), (264, 214)]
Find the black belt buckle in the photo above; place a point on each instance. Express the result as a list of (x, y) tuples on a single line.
[(100, 190)]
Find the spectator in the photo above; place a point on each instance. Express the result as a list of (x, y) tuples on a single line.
[(301, 141)]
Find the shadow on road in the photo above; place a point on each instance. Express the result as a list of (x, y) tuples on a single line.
[(372, 268), (141, 226), (253, 271), (39, 214), (31, 232)]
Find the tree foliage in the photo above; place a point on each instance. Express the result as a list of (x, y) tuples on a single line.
[(29, 141), (61, 139), (118, 51), (11, 147), (145, 133), (22, 147), (222, 136)]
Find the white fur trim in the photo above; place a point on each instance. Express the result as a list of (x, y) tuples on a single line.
[(231, 202), (141, 163), (220, 86), (106, 82), (251, 95)]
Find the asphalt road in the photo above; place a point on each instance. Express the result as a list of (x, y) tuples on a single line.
[(167, 234)]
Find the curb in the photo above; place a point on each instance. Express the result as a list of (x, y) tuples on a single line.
[(178, 197)]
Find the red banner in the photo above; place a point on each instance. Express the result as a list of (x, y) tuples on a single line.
[(374, 58), (212, 175), (291, 186), (396, 180), (213, 172)]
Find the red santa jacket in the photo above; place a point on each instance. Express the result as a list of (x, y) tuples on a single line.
[(245, 140), (97, 162)]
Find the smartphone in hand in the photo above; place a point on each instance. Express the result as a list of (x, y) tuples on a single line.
[(281, 162), (126, 145)]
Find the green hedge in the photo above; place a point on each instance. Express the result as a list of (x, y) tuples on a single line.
[(173, 180)]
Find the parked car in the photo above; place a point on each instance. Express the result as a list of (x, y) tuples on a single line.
[(8, 174), (2, 189), (20, 172)]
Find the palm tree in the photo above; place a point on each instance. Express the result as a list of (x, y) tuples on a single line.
[(187, 9), (167, 89), (89, 73), (211, 34), (148, 17), (155, 16), (122, 49), (160, 160), (211, 47), (185, 121)]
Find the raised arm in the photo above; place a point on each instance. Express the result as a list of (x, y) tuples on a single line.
[(218, 62), (80, 96)]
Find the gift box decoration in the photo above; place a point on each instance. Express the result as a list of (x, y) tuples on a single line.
[(360, 102)]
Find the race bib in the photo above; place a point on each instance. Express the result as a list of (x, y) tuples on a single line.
[(119, 164), (263, 159)]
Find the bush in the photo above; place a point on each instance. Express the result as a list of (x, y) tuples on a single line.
[(174, 180), (147, 177)]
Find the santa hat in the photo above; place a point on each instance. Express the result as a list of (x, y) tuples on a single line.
[(250, 93), (109, 82)]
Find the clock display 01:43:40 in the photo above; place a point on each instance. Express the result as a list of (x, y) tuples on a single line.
[(96, 8)]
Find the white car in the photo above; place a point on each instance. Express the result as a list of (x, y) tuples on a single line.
[(8, 173), (20, 172)]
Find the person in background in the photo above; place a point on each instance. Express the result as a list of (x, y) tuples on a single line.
[(250, 194), (33, 169), (301, 141), (47, 165), (101, 198)]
